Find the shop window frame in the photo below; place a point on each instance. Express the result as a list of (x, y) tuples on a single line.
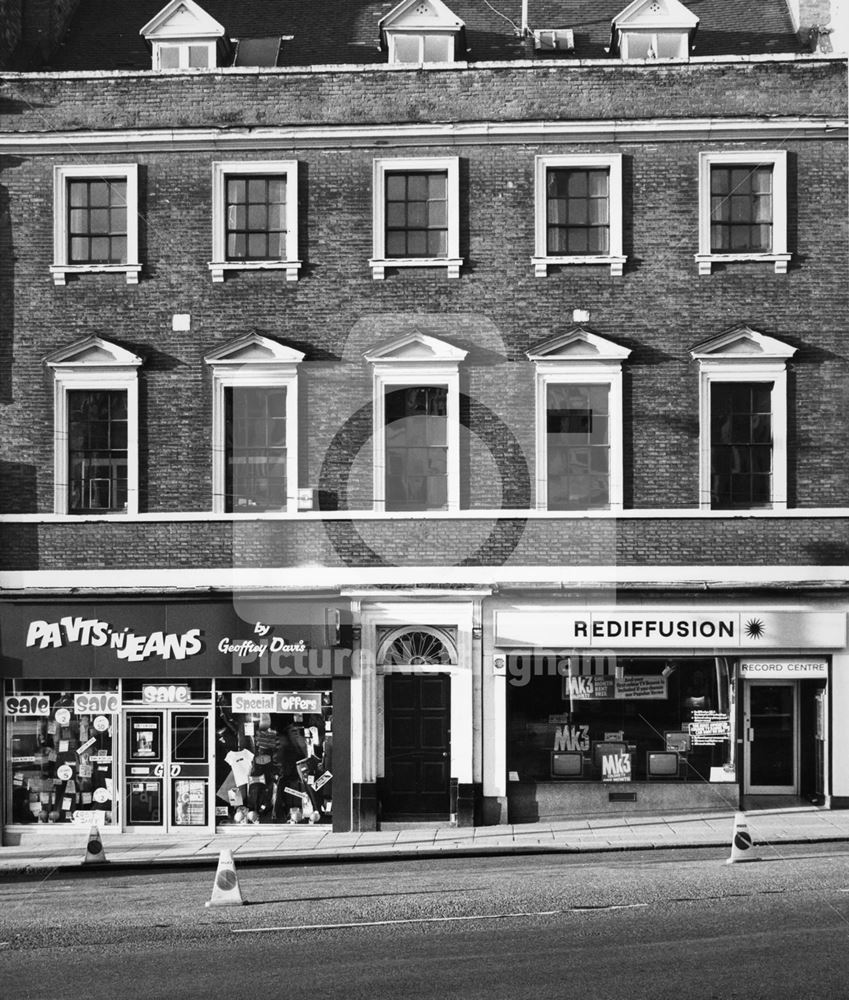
[(62, 265)]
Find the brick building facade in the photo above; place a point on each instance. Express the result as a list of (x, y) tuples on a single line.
[(478, 464)]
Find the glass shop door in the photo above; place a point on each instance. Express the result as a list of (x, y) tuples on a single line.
[(167, 770), (771, 727)]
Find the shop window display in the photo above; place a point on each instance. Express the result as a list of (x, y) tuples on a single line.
[(274, 750), (59, 752), (613, 718)]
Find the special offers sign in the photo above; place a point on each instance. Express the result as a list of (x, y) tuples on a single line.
[(653, 628)]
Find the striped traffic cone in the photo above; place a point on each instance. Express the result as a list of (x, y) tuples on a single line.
[(225, 889), (742, 848), (94, 853)]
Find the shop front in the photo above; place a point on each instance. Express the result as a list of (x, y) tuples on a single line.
[(174, 717), (655, 708)]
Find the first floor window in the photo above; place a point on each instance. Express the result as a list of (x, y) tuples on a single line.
[(97, 458), (255, 448), (256, 217), (578, 446), (417, 448), (740, 208), (741, 444), (97, 221)]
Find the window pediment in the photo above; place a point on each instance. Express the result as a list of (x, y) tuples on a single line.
[(93, 352), (181, 20), (578, 344), (421, 15), (742, 343), (416, 348), (253, 349), (665, 14)]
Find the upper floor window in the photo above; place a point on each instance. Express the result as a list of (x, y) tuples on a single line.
[(578, 209), (255, 217), (743, 420), (743, 208), (416, 424), (421, 31), (95, 220), (416, 214), (95, 428), (183, 36), (254, 425), (579, 453), (654, 29)]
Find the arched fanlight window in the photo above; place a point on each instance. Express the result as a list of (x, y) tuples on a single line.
[(417, 647)]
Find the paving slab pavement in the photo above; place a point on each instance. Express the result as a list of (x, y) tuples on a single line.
[(63, 851)]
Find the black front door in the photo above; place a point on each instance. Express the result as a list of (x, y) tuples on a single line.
[(416, 746)]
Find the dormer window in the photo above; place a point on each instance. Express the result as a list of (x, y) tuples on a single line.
[(183, 36), (421, 31), (654, 29)]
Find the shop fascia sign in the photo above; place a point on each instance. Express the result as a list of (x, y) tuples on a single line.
[(257, 702), (661, 628), (136, 648), (791, 669)]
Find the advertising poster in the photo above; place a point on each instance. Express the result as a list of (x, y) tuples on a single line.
[(144, 737)]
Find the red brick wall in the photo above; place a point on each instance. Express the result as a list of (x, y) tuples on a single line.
[(660, 307)]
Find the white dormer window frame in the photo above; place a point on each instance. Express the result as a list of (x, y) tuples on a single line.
[(412, 30), (182, 36), (187, 52), (221, 172), (654, 29), (410, 362), (253, 361), (744, 355), (580, 358), (778, 255), (628, 37), (62, 177), (383, 168), (615, 257), (96, 365)]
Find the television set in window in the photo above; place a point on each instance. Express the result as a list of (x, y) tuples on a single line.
[(662, 764), (567, 764)]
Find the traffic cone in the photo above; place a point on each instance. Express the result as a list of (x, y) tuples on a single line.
[(225, 890), (94, 853), (742, 848)]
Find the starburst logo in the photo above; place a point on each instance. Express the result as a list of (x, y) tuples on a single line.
[(754, 628)]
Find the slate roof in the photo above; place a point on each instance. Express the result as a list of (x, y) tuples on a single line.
[(104, 34)]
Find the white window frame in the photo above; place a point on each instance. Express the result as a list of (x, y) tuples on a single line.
[(769, 365), (182, 45), (683, 43), (379, 261), (247, 168), (419, 35), (390, 372), (61, 266), (253, 361), (777, 159), (595, 362), (72, 372), (616, 258)]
